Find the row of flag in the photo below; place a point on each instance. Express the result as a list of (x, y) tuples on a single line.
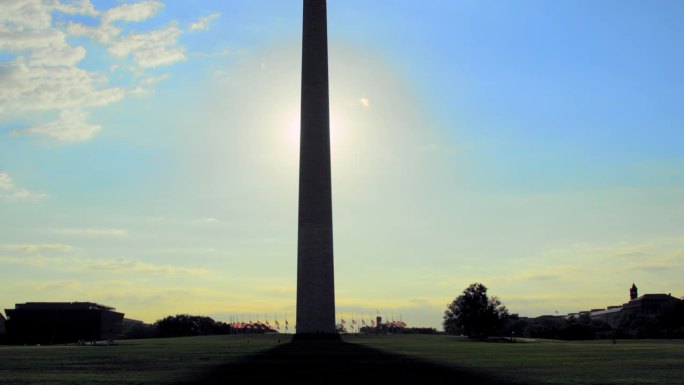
[(276, 325), (398, 324), (258, 325), (356, 324)]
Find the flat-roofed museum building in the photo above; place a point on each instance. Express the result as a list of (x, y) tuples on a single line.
[(62, 322)]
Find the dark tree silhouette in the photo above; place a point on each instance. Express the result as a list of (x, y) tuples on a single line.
[(474, 314), (189, 325)]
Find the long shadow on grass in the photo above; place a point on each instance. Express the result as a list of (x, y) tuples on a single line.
[(337, 363)]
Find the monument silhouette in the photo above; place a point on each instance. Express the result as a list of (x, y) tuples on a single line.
[(315, 270)]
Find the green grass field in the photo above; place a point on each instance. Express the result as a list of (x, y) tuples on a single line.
[(550, 362), (174, 360)]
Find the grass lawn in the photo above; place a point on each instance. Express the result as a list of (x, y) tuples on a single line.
[(175, 360), (152, 361), (549, 362)]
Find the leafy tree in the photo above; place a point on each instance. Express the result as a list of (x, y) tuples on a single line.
[(139, 331), (475, 314), (185, 325)]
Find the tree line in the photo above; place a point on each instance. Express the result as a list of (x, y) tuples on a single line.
[(185, 325), (476, 315)]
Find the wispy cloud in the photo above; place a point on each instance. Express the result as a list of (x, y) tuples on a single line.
[(34, 260), (44, 75), (152, 49), (158, 47), (674, 261), (94, 232), (70, 127), (83, 7), (365, 103), (208, 220), (109, 266), (128, 265), (132, 11), (10, 192), (555, 301), (6, 182), (277, 289), (389, 303), (28, 87), (203, 23), (43, 71), (37, 248)]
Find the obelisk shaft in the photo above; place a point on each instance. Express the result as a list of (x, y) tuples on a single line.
[(315, 275)]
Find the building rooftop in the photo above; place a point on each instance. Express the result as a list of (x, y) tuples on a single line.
[(61, 305), (602, 312), (658, 296)]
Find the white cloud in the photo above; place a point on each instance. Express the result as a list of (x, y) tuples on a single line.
[(364, 102), (209, 220), (26, 25), (94, 232), (35, 260), (127, 265), (17, 38), (146, 82), (83, 7), (27, 88), (102, 265), (6, 182), (152, 49), (203, 23), (24, 14), (132, 11), (104, 33), (10, 192), (43, 74), (52, 56), (37, 248), (70, 127)]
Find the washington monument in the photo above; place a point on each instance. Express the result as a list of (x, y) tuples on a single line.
[(315, 275)]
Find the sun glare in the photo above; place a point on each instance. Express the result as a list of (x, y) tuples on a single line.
[(336, 133)]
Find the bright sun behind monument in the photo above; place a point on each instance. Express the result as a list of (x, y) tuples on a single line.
[(337, 133)]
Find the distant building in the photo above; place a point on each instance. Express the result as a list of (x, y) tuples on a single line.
[(647, 304), (2, 324), (62, 322), (633, 292), (611, 315)]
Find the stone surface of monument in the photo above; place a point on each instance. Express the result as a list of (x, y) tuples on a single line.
[(315, 270)]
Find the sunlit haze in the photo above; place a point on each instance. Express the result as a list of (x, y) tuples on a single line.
[(149, 154)]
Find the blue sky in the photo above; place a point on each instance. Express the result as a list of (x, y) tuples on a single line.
[(148, 154)]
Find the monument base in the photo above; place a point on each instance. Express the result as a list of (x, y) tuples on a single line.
[(316, 337)]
